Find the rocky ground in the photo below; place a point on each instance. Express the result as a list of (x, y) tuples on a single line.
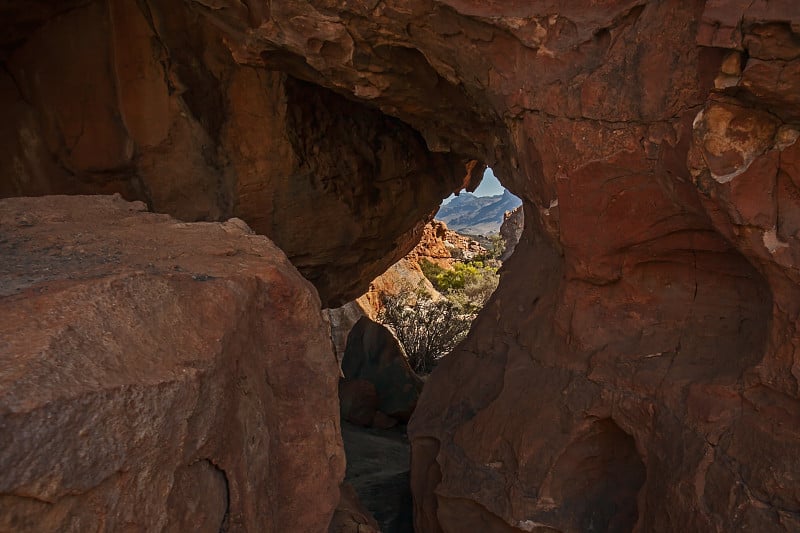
[(378, 466)]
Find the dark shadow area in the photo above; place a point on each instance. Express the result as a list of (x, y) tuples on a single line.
[(378, 464), (597, 479), (377, 395)]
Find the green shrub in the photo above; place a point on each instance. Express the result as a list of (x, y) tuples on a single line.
[(461, 277), (476, 291), (429, 329)]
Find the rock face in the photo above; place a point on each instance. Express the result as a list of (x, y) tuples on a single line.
[(374, 355), (144, 99), (511, 231), (358, 401), (650, 375), (638, 366), (350, 516), (149, 371), (443, 246)]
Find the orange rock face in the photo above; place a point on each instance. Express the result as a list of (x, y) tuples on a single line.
[(437, 245), (638, 367), (149, 371)]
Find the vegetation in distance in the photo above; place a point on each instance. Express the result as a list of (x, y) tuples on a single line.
[(430, 328)]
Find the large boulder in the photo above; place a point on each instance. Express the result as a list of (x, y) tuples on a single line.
[(149, 375), (511, 231), (358, 401), (375, 355)]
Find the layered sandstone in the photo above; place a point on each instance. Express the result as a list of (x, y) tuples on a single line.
[(149, 371), (638, 367)]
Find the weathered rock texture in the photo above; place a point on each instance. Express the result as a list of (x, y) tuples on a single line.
[(144, 99), (650, 378), (639, 365), (443, 246), (149, 375)]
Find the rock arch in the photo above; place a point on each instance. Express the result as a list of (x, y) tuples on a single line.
[(656, 154)]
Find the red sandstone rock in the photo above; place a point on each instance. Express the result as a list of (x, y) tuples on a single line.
[(433, 245), (648, 320), (146, 100), (656, 323), (149, 372), (358, 401), (443, 246), (403, 278)]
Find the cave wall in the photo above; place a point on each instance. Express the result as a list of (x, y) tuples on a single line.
[(144, 99), (643, 342)]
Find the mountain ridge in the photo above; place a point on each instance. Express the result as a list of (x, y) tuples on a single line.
[(477, 215)]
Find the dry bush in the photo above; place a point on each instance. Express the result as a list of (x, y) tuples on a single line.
[(427, 329)]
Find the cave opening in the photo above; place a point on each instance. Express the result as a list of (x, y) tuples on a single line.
[(647, 322), (391, 338)]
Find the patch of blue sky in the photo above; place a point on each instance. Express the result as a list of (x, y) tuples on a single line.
[(490, 186)]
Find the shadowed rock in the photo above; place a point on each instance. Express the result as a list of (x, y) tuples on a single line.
[(374, 355), (149, 371), (652, 304)]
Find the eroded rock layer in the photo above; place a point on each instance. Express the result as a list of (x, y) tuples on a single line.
[(144, 99), (638, 367), (149, 372)]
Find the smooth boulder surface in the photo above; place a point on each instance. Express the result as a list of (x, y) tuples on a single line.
[(149, 375), (374, 355)]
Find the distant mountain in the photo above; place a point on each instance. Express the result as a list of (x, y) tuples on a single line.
[(477, 215)]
